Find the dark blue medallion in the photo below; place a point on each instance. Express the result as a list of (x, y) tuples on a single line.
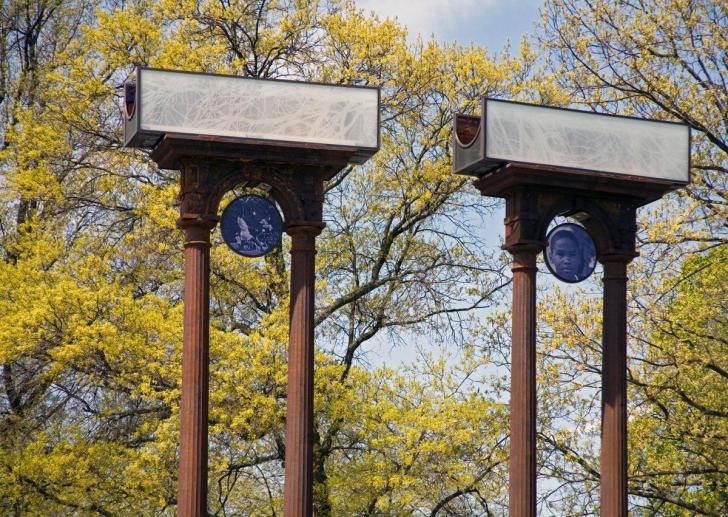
[(251, 226), (570, 254)]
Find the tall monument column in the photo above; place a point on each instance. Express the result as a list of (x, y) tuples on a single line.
[(597, 169), (192, 489), (299, 416), (614, 388), (287, 161), (522, 468)]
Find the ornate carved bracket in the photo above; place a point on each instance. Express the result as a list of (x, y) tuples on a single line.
[(298, 190), (530, 209)]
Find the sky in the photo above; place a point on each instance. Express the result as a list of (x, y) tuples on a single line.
[(485, 22), (490, 23)]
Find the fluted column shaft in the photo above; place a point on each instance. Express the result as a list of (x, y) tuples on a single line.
[(298, 490), (614, 390), (522, 469), (192, 487)]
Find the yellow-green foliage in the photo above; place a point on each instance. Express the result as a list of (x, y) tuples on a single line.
[(664, 59), (90, 277), (682, 415)]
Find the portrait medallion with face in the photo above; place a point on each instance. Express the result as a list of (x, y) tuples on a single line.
[(570, 253)]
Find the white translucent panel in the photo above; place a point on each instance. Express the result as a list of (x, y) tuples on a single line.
[(175, 102), (566, 138)]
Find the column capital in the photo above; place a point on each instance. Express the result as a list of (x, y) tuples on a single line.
[(305, 228), (196, 230), (303, 237), (299, 191), (616, 259), (524, 257), (523, 222), (524, 249)]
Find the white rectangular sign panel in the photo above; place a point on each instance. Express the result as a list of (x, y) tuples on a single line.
[(511, 132), (252, 109), (582, 140)]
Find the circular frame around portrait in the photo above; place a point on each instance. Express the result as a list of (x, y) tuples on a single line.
[(251, 226), (585, 247)]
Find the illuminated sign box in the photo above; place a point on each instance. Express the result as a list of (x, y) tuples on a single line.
[(570, 140), (284, 116)]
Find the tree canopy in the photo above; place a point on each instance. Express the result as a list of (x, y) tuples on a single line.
[(90, 276), (666, 60), (92, 272)]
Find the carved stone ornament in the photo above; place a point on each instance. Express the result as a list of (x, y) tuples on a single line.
[(298, 190), (609, 217)]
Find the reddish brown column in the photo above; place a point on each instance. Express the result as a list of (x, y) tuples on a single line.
[(192, 488), (522, 486), (298, 490), (614, 390)]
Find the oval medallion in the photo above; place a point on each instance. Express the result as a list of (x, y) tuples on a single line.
[(251, 225), (570, 254)]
